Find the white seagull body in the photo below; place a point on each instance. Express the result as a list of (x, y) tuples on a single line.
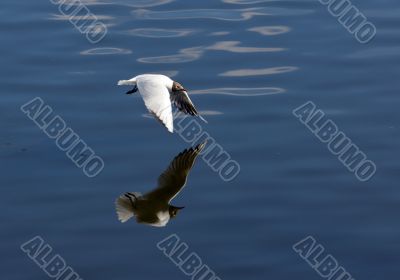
[(158, 93)]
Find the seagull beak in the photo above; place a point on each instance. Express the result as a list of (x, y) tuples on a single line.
[(176, 207), (173, 210)]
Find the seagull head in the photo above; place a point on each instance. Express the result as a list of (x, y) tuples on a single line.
[(173, 210), (177, 87)]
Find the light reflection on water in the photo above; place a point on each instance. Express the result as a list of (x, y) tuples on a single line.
[(105, 51), (184, 55), (130, 3), (258, 72), (194, 53), (232, 46), (246, 92), (270, 30), (159, 32), (218, 14), (80, 17)]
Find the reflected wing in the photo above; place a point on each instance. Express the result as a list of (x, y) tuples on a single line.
[(157, 100), (172, 180), (183, 103)]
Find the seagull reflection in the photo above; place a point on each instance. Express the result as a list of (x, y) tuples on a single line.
[(153, 208)]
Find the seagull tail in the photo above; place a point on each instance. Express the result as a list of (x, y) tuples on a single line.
[(130, 82), (124, 208)]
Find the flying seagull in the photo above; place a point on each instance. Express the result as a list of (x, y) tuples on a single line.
[(154, 208), (158, 93)]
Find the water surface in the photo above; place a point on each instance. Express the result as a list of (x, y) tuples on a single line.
[(248, 64)]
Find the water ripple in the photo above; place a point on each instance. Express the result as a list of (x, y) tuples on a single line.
[(260, 91), (132, 3), (194, 53), (258, 72), (232, 46), (219, 14), (146, 3), (105, 51), (77, 18), (159, 32), (108, 21), (219, 33), (184, 55), (270, 30)]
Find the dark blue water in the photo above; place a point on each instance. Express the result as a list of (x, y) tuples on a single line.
[(267, 57)]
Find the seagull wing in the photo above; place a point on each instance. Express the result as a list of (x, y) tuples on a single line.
[(183, 103), (173, 179), (156, 98)]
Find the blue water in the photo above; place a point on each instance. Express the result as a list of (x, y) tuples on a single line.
[(248, 65)]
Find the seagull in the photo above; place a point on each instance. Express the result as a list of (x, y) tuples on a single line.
[(158, 93), (153, 208)]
